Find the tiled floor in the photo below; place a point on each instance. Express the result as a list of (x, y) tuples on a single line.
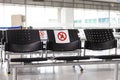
[(91, 72)]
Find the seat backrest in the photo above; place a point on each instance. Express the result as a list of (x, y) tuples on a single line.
[(73, 34), (23, 40), (117, 30), (1, 36), (63, 39), (99, 35), (43, 35), (22, 36)]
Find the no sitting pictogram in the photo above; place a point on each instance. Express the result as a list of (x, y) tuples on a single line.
[(62, 36), (41, 33)]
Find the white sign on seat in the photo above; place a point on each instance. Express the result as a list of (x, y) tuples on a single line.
[(61, 36), (43, 35)]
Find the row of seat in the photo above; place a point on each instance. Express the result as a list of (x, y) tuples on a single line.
[(22, 41), (29, 40), (58, 40)]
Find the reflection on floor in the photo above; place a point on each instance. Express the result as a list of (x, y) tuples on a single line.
[(91, 72)]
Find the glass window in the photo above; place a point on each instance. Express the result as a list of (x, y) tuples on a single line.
[(8, 11)]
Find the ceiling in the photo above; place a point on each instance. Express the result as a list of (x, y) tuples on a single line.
[(22, 1), (117, 1), (62, 3)]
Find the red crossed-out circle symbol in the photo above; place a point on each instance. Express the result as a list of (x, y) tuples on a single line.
[(41, 33), (62, 36)]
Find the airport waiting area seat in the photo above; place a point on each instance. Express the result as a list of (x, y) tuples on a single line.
[(22, 42), (65, 40), (1, 44), (50, 46), (58, 41), (101, 39), (117, 30)]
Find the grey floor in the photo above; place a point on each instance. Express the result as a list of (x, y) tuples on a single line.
[(91, 72)]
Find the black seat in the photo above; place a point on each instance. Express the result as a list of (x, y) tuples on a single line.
[(1, 43), (63, 41), (100, 39), (23, 41), (28, 60), (44, 37), (1, 36), (117, 30)]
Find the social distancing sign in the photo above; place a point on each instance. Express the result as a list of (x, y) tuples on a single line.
[(61, 36), (43, 35)]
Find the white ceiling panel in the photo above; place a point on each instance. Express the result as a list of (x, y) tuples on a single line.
[(71, 1), (64, 3), (18, 1), (57, 4), (108, 0), (58, 0), (68, 1)]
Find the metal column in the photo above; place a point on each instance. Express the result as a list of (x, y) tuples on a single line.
[(14, 77), (116, 71)]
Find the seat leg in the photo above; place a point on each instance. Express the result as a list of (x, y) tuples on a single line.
[(116, 71), (73, 66), (8, 67), (8, 64), (115, 51), (1, 55), (14, 77), (81, 69), (84, 52), (79, 52)]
